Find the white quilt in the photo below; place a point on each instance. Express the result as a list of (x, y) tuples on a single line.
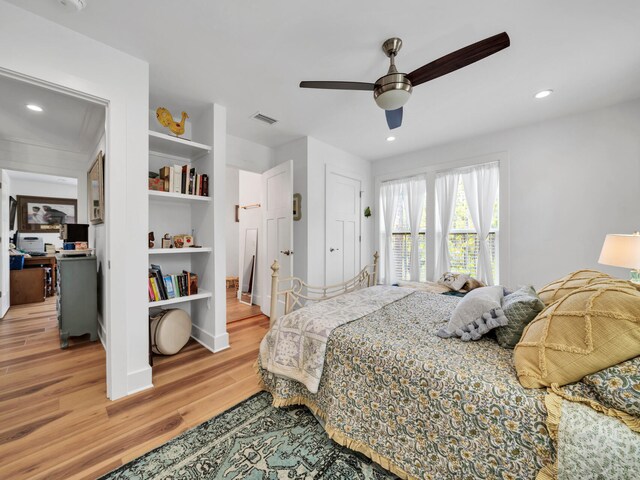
[(295, 345)]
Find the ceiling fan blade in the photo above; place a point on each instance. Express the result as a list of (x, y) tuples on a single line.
[(459, 59), (394, 118), (339, 85)]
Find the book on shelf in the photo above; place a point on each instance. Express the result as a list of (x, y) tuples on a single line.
[(184, 182), (166, 174), (168, 283), (166, 287), (177, 179)]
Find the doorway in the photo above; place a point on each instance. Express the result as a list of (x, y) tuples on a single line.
[(243, 228), (47, 150)]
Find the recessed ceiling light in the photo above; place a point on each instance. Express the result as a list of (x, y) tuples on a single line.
[(34, 108), (391, 139), (543, 94)]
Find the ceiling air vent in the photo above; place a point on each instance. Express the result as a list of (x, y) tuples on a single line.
[(263, 118)]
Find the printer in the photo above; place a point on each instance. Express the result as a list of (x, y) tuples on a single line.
[(31, 244)]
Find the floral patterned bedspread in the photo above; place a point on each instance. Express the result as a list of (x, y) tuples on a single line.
[(422, 406)]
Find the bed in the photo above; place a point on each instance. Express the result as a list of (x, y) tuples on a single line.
[(419, 405)]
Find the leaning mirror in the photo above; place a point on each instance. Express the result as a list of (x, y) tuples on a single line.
[(249, 266)]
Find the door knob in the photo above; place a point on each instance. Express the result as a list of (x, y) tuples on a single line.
[(286, 252), (331, 249)]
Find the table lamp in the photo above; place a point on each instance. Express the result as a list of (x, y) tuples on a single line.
[(622, 251)]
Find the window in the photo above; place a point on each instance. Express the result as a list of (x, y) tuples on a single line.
[(463, 239), (401, 241)]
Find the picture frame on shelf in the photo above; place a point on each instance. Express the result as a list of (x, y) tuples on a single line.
[(95, 190), (45, 214)]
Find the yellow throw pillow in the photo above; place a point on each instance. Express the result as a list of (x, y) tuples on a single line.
[(558, 289), (590, 329)]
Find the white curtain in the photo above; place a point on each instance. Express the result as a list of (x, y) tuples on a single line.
[(481, 185), (446, 194), (417, 198), (390, 193)]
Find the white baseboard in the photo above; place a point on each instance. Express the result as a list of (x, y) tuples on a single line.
[(221, 342), (208, 341), (139, 380)]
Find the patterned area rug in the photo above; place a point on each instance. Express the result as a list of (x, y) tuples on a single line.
[(253, 440)]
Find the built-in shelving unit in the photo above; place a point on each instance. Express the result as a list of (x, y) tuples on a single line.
[(179, 251), (163, 144), (202, 294), (182, 214)]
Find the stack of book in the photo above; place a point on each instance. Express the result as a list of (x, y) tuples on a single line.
[(183, 179), (166, 287)]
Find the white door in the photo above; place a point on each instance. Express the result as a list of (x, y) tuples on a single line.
[(343, 227), (277, 222), (4, 243)]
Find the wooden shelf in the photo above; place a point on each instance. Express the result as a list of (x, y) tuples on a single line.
[(164, 144), (183, 251), (171, 196), (189, 298)]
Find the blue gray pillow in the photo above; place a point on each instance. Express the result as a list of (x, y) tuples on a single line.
[(520, 308)]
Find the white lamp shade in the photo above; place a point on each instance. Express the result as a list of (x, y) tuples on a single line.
[(392, 99), (621, 251)]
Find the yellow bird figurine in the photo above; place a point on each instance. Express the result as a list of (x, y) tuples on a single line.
[(166, 120)]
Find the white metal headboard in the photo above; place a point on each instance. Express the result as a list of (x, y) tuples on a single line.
[(297, 292)]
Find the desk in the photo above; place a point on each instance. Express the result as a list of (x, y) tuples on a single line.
[(27, 286), (48, 260)]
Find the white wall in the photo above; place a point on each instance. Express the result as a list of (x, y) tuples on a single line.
[(250, 192), (232, 228), (20, 186), (571, 181), (247, 155), (44, 51)]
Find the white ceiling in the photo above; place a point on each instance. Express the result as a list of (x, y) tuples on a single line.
[(67, 123), (41, 178), (251, 56)]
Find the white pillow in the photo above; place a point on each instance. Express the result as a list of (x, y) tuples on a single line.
[(478, 312)]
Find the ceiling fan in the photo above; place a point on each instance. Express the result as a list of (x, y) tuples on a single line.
[(393, 90)]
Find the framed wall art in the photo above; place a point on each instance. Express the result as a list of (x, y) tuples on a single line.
[(95, 190), (45, 214)]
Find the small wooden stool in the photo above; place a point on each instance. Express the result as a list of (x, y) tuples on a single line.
[(233, 282)]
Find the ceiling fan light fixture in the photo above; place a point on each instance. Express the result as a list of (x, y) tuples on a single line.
[(392, 99)]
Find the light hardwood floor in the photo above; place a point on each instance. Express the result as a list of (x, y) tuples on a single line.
[(55, 419), (239, 311)]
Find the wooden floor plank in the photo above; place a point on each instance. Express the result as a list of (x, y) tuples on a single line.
[(55, 419)]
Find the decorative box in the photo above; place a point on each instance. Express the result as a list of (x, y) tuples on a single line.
[(156, 184)]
